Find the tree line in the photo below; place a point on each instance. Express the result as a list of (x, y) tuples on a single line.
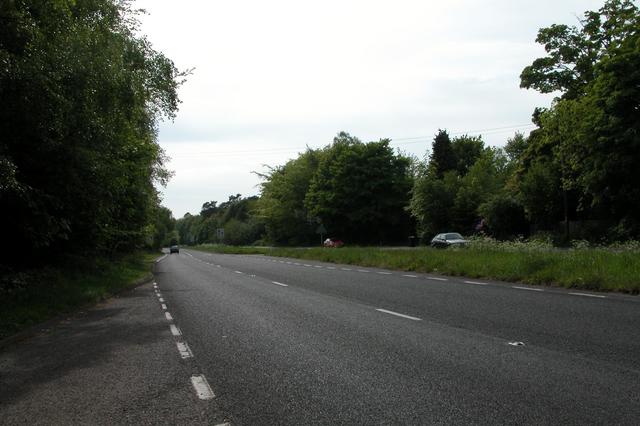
[(82, 93), (580, 164)]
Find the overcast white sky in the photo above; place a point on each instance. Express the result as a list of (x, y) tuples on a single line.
[(272, 77)]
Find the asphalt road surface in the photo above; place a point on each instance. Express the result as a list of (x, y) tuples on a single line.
[(254, 340)]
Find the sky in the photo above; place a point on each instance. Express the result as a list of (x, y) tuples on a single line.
[(271, 78)]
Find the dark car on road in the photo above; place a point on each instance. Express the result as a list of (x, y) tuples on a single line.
[(449, 239), (174, 249)]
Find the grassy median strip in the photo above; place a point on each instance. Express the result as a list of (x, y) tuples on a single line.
[(601, 269), (34, 296)]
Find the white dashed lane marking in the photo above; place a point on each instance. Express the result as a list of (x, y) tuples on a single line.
[(175, 330), (168, 316), (410, 276), (474, 282), (526, 288), (385, 273), (203, 390), (399, 315), (588, 295), (280, 284), (164, 307), (437, 279), (185, 351)]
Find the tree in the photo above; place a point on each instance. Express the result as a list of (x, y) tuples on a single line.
[(281, 204), (504, 216), (82, 94), (442, 158), (466, 151), (163, 227), (587, 144), (360, 190), (573, 52), (516, 147), (432, 201), (540, 193), (209, 208), (485, 178)]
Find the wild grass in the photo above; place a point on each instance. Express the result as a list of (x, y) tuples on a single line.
[(31, 297), (612, 268)]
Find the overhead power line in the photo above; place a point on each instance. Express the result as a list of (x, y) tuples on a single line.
[(396, 141)]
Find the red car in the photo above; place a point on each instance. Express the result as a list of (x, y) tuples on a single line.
[(330, 242)]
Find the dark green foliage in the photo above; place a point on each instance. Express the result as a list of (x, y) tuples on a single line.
[(466, 151), (516, 148), (573, 52), (504, 217), (442, 158), (541, 193), (588, 141), (281, 204), (432, 203), (354, 191), (236, 217), (163, 228), (360, 190), (81, 95), (451, 202)]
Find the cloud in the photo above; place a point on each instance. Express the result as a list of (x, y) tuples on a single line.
[(276, 76)]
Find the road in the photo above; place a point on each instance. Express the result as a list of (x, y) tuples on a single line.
[(285, 341), (255, 340)]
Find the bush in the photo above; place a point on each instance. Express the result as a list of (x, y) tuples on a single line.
[(504, 217)]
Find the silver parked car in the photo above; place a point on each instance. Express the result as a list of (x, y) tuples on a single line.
[(449, 239)]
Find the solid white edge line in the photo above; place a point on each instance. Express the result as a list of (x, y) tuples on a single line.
[(474, 282), (185, 351), (399, 314), (589, 295), (168, 316), (280, 284), (202, 387), (526, 288), (175, 330)]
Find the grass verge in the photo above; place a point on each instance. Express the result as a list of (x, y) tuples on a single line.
[(598, 269), (34, 296)]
